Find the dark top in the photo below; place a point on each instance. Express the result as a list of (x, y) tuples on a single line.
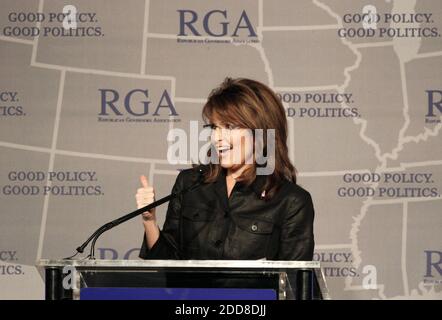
[(205, 224)]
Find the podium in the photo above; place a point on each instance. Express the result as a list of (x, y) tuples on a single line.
[(183, 280)]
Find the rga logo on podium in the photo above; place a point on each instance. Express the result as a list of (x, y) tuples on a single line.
[(135, 106), (113, 254), (434, 106), (214, 24)]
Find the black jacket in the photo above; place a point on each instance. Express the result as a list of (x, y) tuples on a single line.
[(205, 224)]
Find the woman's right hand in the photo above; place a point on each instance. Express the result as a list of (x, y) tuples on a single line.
[(145, 196)]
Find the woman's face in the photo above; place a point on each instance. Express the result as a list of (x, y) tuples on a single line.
[(234, 145)]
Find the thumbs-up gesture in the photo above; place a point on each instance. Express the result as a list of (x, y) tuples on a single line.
[(145, 196)]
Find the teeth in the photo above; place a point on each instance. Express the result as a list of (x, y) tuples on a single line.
[(224, 148)]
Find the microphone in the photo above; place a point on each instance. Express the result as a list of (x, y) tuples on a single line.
[(200, 172)]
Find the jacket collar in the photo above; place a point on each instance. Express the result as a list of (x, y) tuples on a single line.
[(256, 186)]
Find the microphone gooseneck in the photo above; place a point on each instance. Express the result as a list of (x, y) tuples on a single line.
[(201, 170)]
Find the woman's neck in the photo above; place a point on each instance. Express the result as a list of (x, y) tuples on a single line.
[(235, 174), (232, 176), (230, 183)]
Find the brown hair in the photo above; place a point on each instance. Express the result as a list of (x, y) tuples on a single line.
[(250, 104)]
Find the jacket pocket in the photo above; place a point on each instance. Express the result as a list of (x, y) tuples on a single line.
[(198, 214), (254, 226), (189, 203), (252, 237), (196, 223)]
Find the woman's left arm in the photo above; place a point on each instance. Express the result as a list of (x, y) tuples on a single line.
[(297, 239)]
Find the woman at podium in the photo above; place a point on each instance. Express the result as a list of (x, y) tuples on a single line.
[(247, 204)]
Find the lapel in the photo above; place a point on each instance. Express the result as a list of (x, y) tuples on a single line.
[(221, 188), (257, 186)]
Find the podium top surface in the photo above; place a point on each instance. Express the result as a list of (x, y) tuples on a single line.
[(236, 264), (242, 266)]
